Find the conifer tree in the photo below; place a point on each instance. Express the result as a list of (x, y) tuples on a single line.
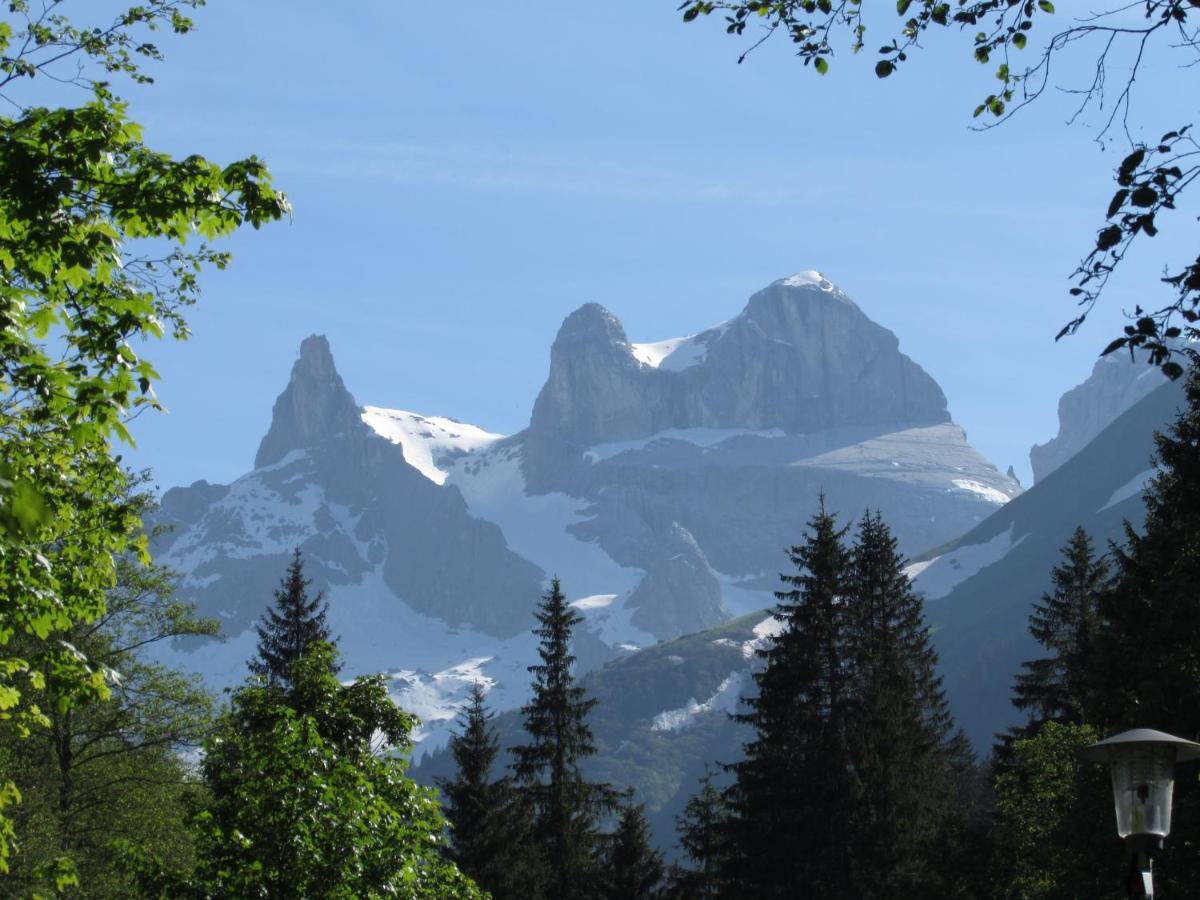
[(633, 870), (1149, 643), (791, 788), (899, 738), (285, 632), (565, 805), (1065, 622), (703, 838), (489, 827)]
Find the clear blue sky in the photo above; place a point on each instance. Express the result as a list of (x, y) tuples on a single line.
[(465, 175)]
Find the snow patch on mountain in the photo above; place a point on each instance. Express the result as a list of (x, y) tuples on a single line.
[(809, 278), (726, 698), (699, 437), (538, 527), (1133, 487), (437, 698), (989, 494), (940, 575), (653, 353), (275, 524), (430, 443), (764, 633)]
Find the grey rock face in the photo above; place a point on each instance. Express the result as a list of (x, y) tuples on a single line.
[(1116, 384), (325, 482), (801, 356), (314, 407)]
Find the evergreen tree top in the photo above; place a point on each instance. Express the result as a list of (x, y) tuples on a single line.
[(286, 631)]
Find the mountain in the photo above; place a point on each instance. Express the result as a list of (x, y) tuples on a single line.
[(662, 481), (979, 589), (662, 714), (1116, 383)]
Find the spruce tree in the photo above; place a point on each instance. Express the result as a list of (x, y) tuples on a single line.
[(898, 726), (703, 838), (1065, 622), (633, 870), (565, 805), (488, 827), (285, 632), (1148, 666), (791, 789)]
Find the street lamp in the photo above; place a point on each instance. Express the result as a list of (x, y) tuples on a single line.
[(1142, 762)]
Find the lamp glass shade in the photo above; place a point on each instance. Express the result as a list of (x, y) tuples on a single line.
[(1143, 778)]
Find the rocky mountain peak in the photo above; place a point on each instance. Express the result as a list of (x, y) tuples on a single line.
[(591, 323), (314, 406), (801, 356)]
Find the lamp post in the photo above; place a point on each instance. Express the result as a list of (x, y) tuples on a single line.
[(1142, 762)]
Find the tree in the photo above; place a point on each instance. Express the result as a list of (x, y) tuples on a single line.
[(94, 228), (633, 870), (792, 786), (1054, 830), (286, 632), (1149, 638), (312, 800), (899, 732), (1125, 40), (565, 805), (489, 826), (1066, 621), (703, 837), (103, 772)]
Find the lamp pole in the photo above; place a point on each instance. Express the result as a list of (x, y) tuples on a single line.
[(1142, 763)]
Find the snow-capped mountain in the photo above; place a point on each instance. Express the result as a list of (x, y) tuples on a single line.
[(662, 712), (660, 480)]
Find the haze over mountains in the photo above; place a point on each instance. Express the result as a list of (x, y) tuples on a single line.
[(660, 480)]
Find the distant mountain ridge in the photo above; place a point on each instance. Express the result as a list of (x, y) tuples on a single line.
[(660, 480)]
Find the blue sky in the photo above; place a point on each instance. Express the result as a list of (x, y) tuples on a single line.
[(465, 175)]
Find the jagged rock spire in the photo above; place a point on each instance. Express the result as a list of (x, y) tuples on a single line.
[(314, 406)]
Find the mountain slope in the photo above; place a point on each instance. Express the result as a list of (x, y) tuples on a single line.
[(980, 588)]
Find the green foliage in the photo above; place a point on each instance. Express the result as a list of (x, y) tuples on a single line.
[(791, 788), (490, 825), (308, 798), (1054, 820), (1148, 662), (101, 771), (901, 749), (704, 838), (1150, 179), (286, 631), (565, 805), (96, 254), (854, 756), (632, 869), (1066, 622)]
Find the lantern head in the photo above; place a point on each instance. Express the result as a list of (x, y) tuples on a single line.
[(1142, 762)]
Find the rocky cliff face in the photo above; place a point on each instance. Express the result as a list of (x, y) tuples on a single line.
[(315, 407), (801, 357), (325, 482), (1114, 386)]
